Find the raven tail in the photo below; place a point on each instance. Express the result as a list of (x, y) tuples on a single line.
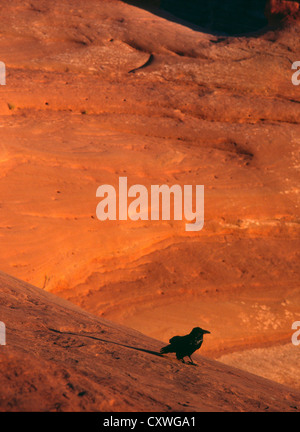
[(166, 349)]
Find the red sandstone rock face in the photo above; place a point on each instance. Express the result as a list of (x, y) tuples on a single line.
[(281, 10), (205, 110)]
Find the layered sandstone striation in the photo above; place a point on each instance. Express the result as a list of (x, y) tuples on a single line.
[(98, 90)]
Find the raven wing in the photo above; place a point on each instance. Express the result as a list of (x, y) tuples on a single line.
[(174, 340)]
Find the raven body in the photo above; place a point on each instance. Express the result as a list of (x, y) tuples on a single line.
[(185, 346)]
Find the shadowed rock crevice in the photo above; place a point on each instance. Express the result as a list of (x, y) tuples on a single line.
[(229, 17)]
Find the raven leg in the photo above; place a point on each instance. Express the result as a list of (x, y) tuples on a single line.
[(180, 358), (195, 364)]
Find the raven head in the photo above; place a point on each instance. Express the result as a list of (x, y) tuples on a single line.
[(198, 331)]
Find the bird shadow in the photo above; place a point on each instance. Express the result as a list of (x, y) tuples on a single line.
[(155, 353)]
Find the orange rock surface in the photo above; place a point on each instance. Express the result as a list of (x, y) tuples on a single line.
[(60, 358), (98, 90)]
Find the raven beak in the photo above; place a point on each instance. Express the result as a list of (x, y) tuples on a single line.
[(206, 332)]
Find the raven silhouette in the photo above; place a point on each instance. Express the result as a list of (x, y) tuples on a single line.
[(185, 346)]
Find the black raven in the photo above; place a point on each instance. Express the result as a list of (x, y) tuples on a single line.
[(185, 346)]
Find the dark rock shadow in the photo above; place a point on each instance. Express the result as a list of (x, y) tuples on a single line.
[(217, 17)]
